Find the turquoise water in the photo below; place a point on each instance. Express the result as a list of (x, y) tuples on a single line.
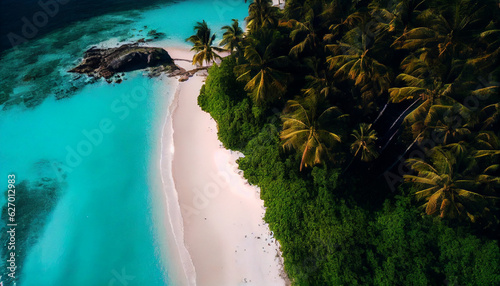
[(103, 220), (85, 154)]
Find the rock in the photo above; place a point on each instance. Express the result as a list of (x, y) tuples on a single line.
[(184, 78), (105, 73), (177, 72), (155, 34), (4, 96), (106, 62), (33, 98)]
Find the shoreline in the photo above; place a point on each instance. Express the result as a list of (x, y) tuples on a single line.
[(224, 238), (183, 269)]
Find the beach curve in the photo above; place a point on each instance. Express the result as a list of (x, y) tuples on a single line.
[(223, 232)]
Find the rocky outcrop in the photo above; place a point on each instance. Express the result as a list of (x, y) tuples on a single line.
[(106, 62)]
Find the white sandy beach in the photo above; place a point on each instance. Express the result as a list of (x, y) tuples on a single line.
[(224, 233)]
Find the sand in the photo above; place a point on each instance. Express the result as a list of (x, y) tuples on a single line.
[(222, 228)]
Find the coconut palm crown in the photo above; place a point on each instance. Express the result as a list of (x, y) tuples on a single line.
[(202, 42), (307, 129)]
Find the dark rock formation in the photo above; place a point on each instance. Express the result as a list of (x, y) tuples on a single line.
[(106, 62)]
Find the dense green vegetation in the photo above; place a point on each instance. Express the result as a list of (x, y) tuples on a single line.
[(372, 129)]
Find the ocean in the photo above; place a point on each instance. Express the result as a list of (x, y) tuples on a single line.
[(90, 202)]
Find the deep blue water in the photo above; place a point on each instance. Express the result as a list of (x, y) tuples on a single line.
[(59, 13)]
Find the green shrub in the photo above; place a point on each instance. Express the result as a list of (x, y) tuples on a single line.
[(226, 101)]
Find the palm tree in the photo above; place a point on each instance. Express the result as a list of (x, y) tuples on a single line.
[(306, 129), (352, 59), (261, 14), (203, 44), (448, 31), (265, 82), (447, 124), (490, 115), (319, 79), (488, 154), (424, 87), (489, 58), (307, 34), (403, 11), (303, 34), (487, 143), (364, 143), (232, 37), (448, 185)]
